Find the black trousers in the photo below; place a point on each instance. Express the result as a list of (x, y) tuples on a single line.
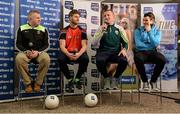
[(83, 61), (153, 57), (105, 57)]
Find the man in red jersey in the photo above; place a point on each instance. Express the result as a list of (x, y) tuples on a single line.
[(73, 46)]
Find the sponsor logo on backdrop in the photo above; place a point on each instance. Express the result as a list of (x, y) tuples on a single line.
[(83, 13), (95, 7), (95, 20), (94, 73), (83, 25), (148, 9), (93, 59), (95, 86), (93, 31), (66, 18), (127, 80), (69, 5), (169, 12)]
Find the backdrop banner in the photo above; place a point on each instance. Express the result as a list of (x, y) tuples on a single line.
[(7, 18)]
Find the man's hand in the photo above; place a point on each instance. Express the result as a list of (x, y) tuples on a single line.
[(32, 54), (123, 52), (76, 56), (28, 54), (104, 27), (148, 27), (70, 56)]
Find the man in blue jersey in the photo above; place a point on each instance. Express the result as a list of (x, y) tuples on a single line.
[(147, 39)]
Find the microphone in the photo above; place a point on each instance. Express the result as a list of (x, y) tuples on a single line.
[(106, 23)]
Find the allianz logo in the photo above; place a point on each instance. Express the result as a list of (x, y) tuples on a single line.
[(128, 80), (4, 65), (6, 93)]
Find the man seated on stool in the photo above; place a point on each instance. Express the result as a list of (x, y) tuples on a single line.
[(73, 46), (32, 42), (113, 43), (147, 39)]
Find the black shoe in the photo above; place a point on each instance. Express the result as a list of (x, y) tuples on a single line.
[(70, 86), (78, 83)]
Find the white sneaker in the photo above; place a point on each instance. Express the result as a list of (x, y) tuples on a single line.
[(154, 86), (114, 83), (146, 86), (107, 83)]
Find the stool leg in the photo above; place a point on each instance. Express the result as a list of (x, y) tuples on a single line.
[(157, 97), (100, 88), (139, 93), (120, 99), (19, 93), (160, 89), (45, 92), (62, 88), (131, 86), (84, 85)]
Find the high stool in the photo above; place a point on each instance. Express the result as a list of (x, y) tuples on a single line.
[(62, 83), (138, 82), (160, 87), (101, 89), (121, 89)]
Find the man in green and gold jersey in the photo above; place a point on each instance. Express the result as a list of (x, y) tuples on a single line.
[(111, 43)]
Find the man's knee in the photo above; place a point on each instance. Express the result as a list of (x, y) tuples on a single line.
[(85, 58), (123, 61), (138, 59), (162, 60), (62, 59), (44, 58), (20, 58), (100, 59)]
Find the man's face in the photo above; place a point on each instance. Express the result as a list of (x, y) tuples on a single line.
[(35, 19), (147, 21), (109, 17), (74, 19)]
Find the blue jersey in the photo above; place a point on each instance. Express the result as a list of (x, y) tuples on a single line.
[(147, 41)]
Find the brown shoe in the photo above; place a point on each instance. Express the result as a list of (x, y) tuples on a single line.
[(28, 89), (37, 87)]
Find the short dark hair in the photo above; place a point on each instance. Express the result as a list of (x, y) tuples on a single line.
[(150, 14), (72, 12), (33, 11), (108, 10)]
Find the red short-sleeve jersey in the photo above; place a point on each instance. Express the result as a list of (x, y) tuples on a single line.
[(73, 38)]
